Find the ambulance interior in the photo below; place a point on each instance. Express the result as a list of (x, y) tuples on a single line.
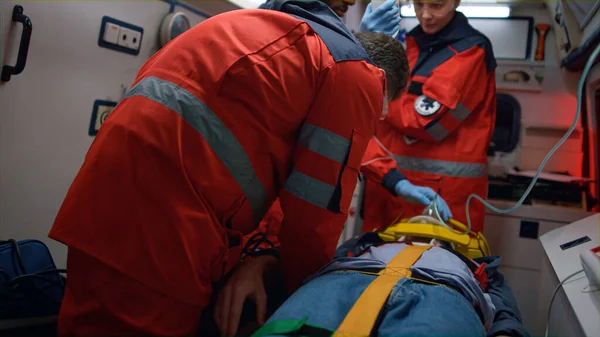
[(63, 71)]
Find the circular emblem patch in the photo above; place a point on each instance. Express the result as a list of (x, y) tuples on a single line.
[(426, 106)]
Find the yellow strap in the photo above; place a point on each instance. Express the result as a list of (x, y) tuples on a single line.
[(362, 316)]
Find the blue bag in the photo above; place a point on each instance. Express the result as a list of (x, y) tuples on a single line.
[(30, 283)]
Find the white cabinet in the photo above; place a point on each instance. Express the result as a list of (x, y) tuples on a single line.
[(515, 237), (575, 309)]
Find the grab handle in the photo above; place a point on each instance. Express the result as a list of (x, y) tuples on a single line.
[(8, 71)]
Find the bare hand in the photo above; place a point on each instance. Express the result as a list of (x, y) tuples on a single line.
[(246, 282)]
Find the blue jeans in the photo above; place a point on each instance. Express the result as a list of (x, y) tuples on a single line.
[(413, 308)]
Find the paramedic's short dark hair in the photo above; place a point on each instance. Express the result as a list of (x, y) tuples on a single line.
[(388, 54)]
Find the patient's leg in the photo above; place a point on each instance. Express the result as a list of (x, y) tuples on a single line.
[(326, 300), (418, 309), (413, 309)]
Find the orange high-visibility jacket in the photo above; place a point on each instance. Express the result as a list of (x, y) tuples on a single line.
[(440, 130), (245, 107)]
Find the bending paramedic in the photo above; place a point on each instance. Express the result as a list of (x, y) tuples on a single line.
[(376, 163), (440, 130), (218, 124)]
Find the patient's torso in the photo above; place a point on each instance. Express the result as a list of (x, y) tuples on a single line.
[(435, 265)]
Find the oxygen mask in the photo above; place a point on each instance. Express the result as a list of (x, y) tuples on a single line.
[(432, 210)]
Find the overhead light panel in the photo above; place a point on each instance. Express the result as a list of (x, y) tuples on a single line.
[(247, 4), (468, 11), (485, 11)]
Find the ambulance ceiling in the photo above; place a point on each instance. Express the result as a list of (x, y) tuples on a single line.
[(216, 7), (256, 3)]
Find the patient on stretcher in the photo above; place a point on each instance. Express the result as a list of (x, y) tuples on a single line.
[(443, 293)]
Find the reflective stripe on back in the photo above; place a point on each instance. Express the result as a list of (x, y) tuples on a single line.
[(447, 168), (215, 133), (324, 142)]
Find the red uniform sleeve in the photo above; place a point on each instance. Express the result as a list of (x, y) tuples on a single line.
[(326, 164), (380, 166), (377, 165), (269, 226), (443, 100)]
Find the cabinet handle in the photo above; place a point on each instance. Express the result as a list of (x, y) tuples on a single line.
[(8, 71)]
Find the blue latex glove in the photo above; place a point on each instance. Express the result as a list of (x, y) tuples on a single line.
[(422, 195), (385, 19)]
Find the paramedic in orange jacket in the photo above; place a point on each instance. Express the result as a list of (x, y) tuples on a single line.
[(246, 107), (440, 130), (377, 164), (265, 236)]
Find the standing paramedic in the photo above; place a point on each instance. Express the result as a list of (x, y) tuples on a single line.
[(440, 130), (244, 108)]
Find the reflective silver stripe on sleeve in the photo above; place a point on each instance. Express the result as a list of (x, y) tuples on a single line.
[(309, 189), (461, 112), (448, 168), (438, 131), (324, 142), (216, 134)]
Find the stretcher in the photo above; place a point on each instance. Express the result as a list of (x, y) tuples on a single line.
[(361, 318)]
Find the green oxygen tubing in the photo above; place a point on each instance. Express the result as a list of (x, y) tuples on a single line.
[(580, 89)]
